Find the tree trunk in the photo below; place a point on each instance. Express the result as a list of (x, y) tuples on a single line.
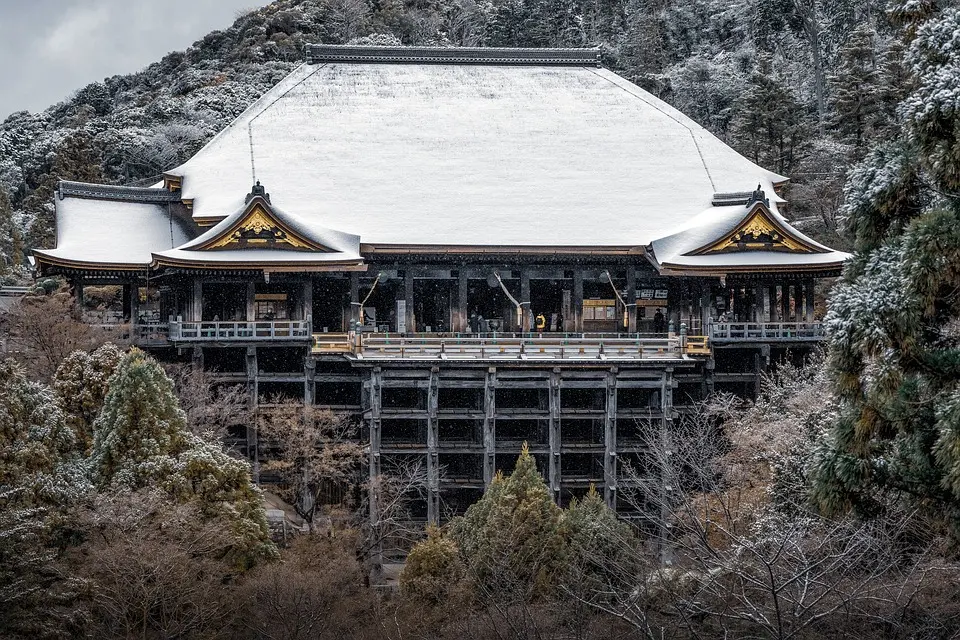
[(807, 10)]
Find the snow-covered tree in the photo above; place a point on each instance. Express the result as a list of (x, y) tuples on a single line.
[(141, 440), (81, 384), (895, 343), (511, 539), (855, 100)]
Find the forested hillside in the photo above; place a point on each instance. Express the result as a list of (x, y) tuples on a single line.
[(799, 86)]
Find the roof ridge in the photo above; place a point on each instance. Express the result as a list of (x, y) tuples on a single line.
[(319, 53), (115, 192)]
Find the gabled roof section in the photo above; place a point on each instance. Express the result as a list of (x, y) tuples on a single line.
[(423, 147), (260, 235), (113, 228), (752, 237), (760, 230), (259, 225)]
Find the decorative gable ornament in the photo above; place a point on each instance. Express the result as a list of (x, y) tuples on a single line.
[(259, 227), (759, 231)]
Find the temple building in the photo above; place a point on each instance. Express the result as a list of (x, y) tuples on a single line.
[(466, 248)]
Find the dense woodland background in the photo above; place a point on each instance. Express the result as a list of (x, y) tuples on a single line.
[(830, 507), (800, 86)]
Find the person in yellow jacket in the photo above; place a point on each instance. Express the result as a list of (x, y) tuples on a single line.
[(541, 322)]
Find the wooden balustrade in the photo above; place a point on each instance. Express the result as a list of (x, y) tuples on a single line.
[(766, 331), (260, 330)]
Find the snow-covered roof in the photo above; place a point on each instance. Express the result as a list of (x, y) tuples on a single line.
[(683, 247), (325, 245), (431, 150), (116, 227)]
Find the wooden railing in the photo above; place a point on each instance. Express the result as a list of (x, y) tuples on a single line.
[(147, 335), (766, 331), (261, 330), (537, 347)]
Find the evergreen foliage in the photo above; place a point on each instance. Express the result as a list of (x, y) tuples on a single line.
[(81, 384), (511, 539), (433, 570), (855, 100), (141, 441), (39, 454), (895, 347)]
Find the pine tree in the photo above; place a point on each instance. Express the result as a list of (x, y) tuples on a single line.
[(141, 441), (433, 570), (769, 128), (895, 350), (40, 474), (602, 553), (39, 455), (855, 99), (81, 384), (511, 539)]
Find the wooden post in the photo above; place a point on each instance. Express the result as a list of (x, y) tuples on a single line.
[(555, 434), (408, 296), (197, 300), (578, 300), (308, 300), (764, 293), (373, 398), (251, 301), (798, 302), (253, 438), (462, 310), (433, 464), (527, 323), (631, 300), (810, 292), (610, 441), (489, 426), (785, 302), (353, 318), (78, 291)]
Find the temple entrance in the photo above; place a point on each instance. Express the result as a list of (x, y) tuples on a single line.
[(550, 299), (602, 310), (433, 304), (224, 301), (379, 311), (488, 307)]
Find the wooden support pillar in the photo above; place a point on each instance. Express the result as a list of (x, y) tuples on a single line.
[(610, 441), (251, 301), (489, 426), (253, 437), (353, 317), (309, 385), (555, 435), (308, 300), (197, 307), (78, 291), (666, 444), (408, 296), (433, 437), (798, 302), (784, 302), (764, 293), (631, 300), (527, 324), (578, 300), (810, 305), (462, 302), (706, 307), (373, 389)]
